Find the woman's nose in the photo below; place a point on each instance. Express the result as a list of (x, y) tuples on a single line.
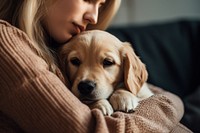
[(91, 15)]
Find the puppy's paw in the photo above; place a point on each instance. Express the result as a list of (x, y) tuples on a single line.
[(104, 106), (122, 100)]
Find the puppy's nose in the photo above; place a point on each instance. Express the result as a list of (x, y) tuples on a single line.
[(86, 87)]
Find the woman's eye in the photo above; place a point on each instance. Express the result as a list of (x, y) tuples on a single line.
[(108, 62), (75, 61)]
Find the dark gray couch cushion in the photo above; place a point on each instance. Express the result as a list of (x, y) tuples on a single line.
[(171, 52)]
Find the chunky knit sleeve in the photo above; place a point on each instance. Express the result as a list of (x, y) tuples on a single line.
[(36, 100), (31, 95), (160, 113)]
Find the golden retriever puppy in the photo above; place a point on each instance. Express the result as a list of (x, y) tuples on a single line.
[(104, 72)]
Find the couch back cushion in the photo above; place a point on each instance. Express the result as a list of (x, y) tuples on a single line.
[(171, 52)]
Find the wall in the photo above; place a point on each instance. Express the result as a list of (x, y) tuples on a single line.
[(148, 11)]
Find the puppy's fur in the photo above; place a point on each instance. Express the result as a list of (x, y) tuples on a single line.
[(104, 72)]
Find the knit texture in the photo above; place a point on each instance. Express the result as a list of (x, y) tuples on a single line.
[(35, 100)]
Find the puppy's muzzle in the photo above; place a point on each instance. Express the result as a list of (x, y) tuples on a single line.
[(86, 87)]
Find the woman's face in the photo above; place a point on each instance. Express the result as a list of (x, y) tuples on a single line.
[(66, 18)]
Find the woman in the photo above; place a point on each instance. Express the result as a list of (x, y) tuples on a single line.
[(33, 96)]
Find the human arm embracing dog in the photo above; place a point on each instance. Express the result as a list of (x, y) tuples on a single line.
[(44, 104)]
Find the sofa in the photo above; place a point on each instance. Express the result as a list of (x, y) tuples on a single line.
[(171, 52)]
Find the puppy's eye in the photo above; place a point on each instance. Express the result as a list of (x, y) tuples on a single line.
[(108, 62), (75, 61)]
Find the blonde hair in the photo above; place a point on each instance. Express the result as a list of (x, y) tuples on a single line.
[(27, 15)]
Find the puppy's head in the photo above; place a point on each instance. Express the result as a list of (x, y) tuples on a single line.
[(95, 62)]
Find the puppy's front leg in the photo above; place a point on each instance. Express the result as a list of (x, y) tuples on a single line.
[(123, 100), (103, 105)]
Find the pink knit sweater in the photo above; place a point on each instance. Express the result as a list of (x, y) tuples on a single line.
[(35, 100)]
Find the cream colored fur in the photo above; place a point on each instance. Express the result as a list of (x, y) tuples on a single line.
[(101, 62)]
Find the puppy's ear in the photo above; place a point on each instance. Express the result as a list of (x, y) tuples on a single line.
[(135, 73)]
